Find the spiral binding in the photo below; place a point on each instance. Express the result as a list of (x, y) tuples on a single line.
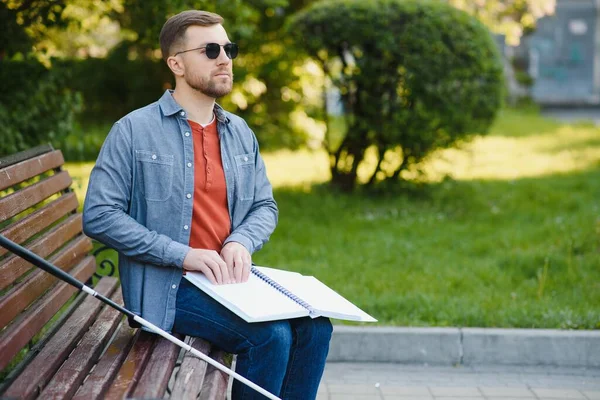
[(283, 290)]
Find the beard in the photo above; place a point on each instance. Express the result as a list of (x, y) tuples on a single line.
[(212, 86)]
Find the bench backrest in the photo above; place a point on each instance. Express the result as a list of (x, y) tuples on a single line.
[(37, 210)]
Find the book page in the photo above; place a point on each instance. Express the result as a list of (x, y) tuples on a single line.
[(322, 298), (253, 301)]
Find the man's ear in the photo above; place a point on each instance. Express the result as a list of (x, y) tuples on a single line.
[(176, 65)]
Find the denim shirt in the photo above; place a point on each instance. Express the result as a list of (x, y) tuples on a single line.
[(140, 198)]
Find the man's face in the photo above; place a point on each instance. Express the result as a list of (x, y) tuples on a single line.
[(213, 78)]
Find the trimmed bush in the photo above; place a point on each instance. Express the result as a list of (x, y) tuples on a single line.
[(414, 76)]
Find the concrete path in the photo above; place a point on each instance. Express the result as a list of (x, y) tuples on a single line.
[(361, 381)]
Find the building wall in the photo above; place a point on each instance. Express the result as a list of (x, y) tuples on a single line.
[(564, 54)]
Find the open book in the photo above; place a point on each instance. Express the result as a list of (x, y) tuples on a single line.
[(272, 294)]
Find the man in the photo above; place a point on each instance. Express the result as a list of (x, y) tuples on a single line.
[(180, 185)]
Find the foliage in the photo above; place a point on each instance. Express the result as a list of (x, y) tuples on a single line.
[(24, 22), (512, 18), (88, 31), (36, 105), (414, 76), (114, 86)]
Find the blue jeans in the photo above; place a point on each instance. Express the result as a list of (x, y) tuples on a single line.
[(286, 357)]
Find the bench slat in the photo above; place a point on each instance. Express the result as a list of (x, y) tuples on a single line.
[(215, 381), (49, 330), (31, 322), (24, 155), (190, 376), (14, 267), (24, 293), (155, 378), (39, 220), (98, 382), (50, 358), (20, 201), (132, 368), (27, 169), (72, 373)]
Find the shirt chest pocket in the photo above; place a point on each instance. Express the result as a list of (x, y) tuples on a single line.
[(155, 174), (246, 178)]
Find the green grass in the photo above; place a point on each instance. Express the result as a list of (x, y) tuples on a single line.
[(459, 254), (506, 233)]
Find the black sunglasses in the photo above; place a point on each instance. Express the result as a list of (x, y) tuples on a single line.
[(214, 49)]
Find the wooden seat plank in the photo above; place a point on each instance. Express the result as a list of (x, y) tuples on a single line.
[(30, 382), (14, 267), (133, 367), (98, 382), (190, 376), (153, 381), (49, 330), (215, 381), (24, 155), (27, 169), (30, 322), (20, 201), (24, 293), (73, 371), (39, 220)]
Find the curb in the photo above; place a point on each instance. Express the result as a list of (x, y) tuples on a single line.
[(466, 346)]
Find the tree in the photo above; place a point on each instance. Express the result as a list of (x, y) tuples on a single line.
[(414, 76)]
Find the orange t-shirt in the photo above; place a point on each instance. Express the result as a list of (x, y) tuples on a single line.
[(210, 217)]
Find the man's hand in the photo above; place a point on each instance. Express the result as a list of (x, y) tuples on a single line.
[(238, 261), (210, 263)]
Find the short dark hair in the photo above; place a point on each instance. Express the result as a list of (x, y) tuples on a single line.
[(173, 31)]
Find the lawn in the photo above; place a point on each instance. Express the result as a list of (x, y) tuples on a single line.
[(505, 233)]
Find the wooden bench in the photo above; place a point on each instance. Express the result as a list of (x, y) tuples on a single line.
[(56, 343)]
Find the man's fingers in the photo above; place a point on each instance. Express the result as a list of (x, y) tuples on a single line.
[(222, 265), (209, 274), (228, 258), (247, 266), (246, 272), (216, 270), (238, 267)]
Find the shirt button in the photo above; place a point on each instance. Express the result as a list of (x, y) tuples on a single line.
[(185, 227), (174, 286), (154, 156), (182, 113), (189, 196), (245, 158), (187, 134), (189, 165)]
